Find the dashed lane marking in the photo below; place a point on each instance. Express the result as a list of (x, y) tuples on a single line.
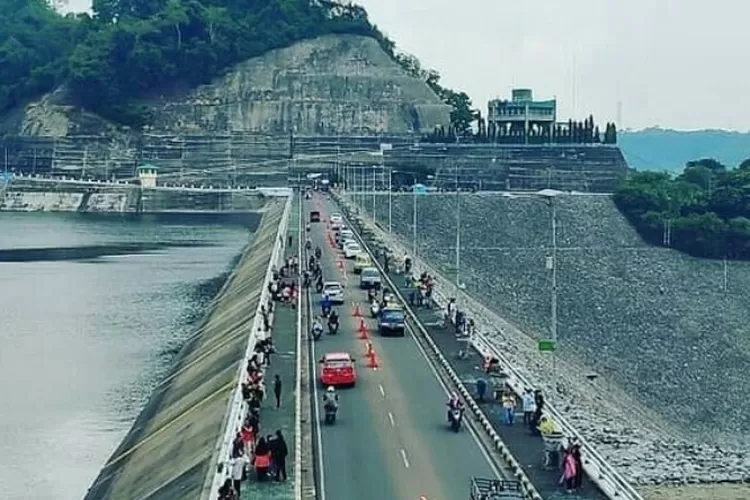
[(382, 391), (390, 417), (405, 459)]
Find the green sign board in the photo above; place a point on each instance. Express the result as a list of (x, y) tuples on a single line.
[(546, 345)]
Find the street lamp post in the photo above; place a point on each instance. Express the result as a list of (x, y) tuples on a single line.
[(374, 217), (390, 200), (550, 194), (458, 232)]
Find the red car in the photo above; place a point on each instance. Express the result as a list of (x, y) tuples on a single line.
[(337, 368)]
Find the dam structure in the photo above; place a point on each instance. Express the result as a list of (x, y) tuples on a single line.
[(178, 444)]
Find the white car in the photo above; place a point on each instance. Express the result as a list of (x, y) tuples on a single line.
[(336, 221), (351, 250), (335, 292)]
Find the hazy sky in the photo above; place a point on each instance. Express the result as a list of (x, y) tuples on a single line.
[(673, 63)]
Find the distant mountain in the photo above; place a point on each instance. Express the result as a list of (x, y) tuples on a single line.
[(664, 149)]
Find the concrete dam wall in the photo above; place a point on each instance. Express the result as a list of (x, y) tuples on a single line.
[(28, 195), (170, 453)]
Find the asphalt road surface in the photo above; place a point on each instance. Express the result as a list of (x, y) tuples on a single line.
[(391, 439)]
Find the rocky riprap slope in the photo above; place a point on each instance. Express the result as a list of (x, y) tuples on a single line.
[(659, 328)]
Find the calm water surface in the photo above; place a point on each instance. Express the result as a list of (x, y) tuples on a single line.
[(92, 312)]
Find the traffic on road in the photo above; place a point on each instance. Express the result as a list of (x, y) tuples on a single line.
[(387, 425)]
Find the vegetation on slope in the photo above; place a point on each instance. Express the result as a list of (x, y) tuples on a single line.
[(129, 48), (703, 212)]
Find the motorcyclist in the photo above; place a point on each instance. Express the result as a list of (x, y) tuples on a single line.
[(333, 321), (325, 305), (319, 284), (307, 227), (318, 252), (331, 397), (308, 243), (317, 328), (454, 403), (306, 279)]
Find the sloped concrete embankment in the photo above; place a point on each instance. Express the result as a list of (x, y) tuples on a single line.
[(171, 452)]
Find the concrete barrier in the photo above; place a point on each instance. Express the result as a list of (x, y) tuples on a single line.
[(237, 408)]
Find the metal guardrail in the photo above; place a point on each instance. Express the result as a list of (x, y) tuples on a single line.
[(601, 472), (528, 489), (237, 407)]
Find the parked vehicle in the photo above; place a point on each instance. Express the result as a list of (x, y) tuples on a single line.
[(361, 262)]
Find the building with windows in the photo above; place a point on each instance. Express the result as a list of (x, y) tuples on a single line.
[(522, 115)]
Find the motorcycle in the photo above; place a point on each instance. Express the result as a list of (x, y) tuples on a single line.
[(318, 253), (317, 332), (325, 310), (333, 328), (375, 309), (456, 415), (330, 408)]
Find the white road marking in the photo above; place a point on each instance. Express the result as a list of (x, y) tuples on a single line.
[(382, 391), (406, 460), (390, 417)]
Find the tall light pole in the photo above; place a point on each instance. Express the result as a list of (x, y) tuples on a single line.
[(374, 216), (550, 195), (390, 200), (414, 220), (458, 231)]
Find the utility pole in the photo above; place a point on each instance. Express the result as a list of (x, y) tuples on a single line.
[(390, 200), (414, 220), (553, 265), (374, 216), (458, 231)]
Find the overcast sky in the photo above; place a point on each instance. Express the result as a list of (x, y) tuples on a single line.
[(673, 63)]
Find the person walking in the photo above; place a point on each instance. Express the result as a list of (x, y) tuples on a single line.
[(277, 390), (529, 406), (239, 463), (281, 452)]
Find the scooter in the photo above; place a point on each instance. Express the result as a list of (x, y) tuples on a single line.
[(456, 416)]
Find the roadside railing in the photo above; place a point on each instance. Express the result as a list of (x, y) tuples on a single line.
[(237, 408)]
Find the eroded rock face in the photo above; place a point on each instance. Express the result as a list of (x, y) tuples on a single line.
[(329, 85), (335, 84)]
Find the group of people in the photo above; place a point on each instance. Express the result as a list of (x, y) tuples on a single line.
[(464, 327), (283, 290), (265, 455), (421, 295)]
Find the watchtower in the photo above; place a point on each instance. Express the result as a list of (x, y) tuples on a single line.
[(147, 175)]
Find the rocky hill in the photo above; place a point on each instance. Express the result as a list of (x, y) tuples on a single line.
[(334, 84), (670, 328)]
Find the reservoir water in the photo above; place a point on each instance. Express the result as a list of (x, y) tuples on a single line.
[(93, 309)]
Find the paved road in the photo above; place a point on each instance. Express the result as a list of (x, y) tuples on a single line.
[(391, 438)]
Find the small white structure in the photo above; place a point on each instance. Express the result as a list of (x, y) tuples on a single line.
[(147, 175)]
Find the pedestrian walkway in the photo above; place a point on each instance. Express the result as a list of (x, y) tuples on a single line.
[(283, 362), (526, 448)]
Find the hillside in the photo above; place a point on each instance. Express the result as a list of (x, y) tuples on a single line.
[(664, 149), (210, 66)]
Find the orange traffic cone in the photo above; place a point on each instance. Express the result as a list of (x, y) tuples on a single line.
[(362, 329), (357, 312), (372, 360)]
